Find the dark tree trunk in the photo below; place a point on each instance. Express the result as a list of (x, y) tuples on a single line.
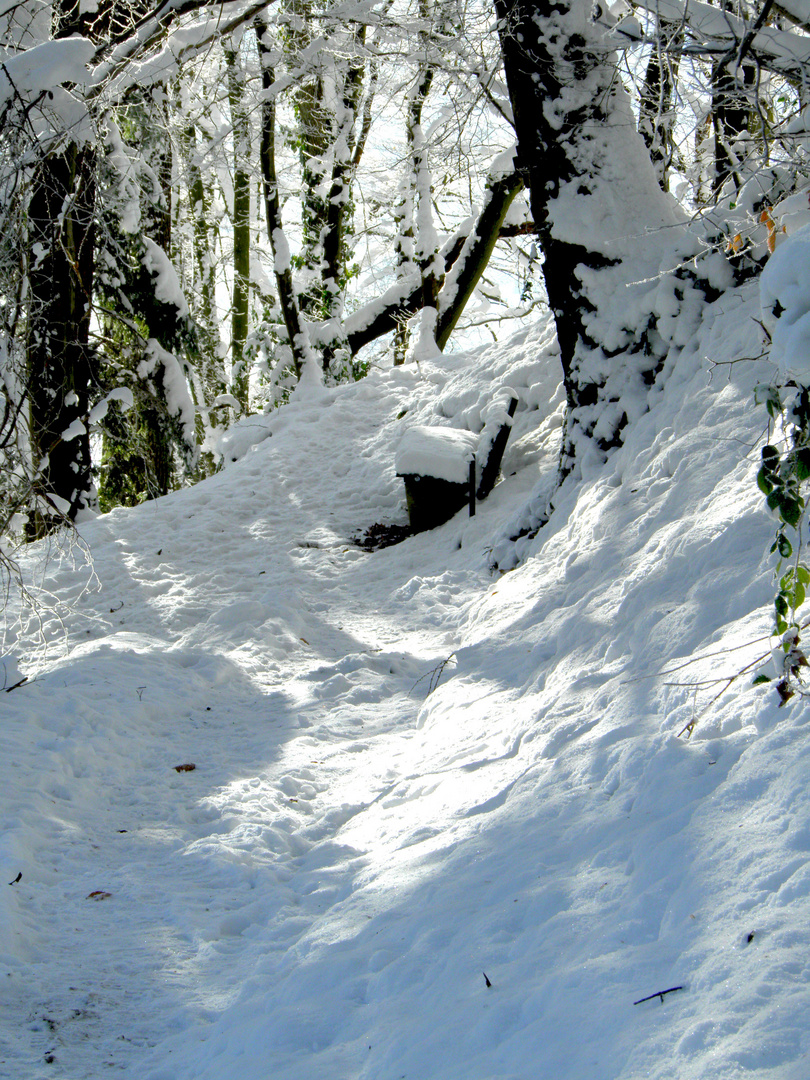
[(731, 112), (578, 152), (291, 312), (241, 226), (157, 221), (61, 219), (537, 75), (408, 244), (338, 202), (61, 270), (734, 79), (656, 108), (211, 365)]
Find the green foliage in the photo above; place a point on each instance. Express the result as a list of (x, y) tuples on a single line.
[(143, 448), (784, 480)]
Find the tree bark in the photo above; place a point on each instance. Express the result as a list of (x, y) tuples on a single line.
[(240, 221), (461, 280), (297, 333), (464, 257), (656, 107), (731, 110), (61, 268), (415, 244), (594, 199), (61, 236), (212, 373)]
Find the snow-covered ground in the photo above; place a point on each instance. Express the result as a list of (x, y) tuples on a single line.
[(442, 825)]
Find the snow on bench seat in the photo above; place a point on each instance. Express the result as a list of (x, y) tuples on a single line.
[(443, 453)]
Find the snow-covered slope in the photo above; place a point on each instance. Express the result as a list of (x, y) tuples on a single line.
[(320, 898)]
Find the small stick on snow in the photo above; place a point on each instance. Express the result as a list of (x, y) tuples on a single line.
[(658, 994), (486, 980), (434, 675)]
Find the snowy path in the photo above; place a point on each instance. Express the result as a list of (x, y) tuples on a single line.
[(281, 667), (320, 897)]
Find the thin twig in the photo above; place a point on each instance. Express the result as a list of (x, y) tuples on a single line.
[(658, 994), (690, 727), (434, 675)]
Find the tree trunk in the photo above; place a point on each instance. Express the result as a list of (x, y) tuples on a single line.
[(416, 242), (157, 225), (464, 259), (597, 208), (314, 136), (61, 258), (656, 108), (241, 226), (297, 333), (212, 374), (731, 111), (61, 236), (337, 223), (460, 282)]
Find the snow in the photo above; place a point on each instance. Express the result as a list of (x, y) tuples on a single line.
[(123, 394), (789, 49), (167, 284), (321, 896), (444, 453), (394, 294), (422, 336), (785, 292), (73, 431), (164, 367), (503, 164), (281, 251), (45, 66)]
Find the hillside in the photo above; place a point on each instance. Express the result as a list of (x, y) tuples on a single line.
[(320, 898)]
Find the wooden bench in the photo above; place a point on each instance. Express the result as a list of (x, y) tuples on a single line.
[(439, 467)]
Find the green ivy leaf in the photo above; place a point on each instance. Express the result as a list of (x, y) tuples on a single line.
[(781, 605), (763, 482), (770, 457), (785, 547), (791, 511), (803, 463), (761, 679)]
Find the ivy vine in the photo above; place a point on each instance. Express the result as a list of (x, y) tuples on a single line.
[(784, 479)]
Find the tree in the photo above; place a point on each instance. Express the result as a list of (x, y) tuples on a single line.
[(53, 149), (595, 202), (240, 223), (60, 363), (657, 99), (627, 274)]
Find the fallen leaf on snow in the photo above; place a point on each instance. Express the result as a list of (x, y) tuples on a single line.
[(188, 767), (98, 894)]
